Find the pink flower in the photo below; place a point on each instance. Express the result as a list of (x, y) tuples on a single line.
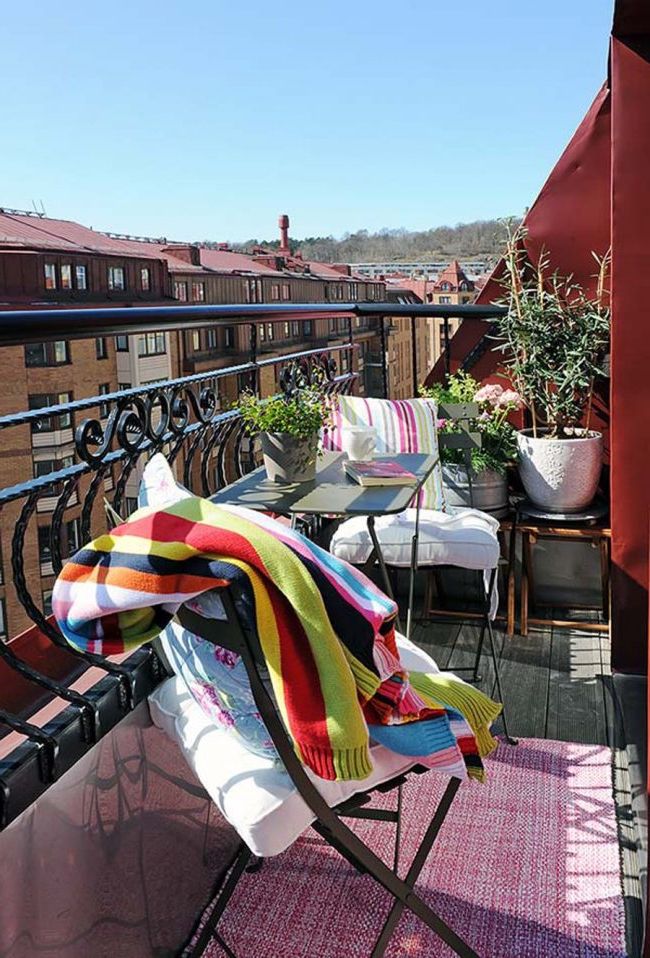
[(485, 416), (441, 423), (510, 398), (490, 393)]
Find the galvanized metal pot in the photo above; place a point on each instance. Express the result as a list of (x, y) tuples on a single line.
[(560, 475), (489, 490), (289, 459)]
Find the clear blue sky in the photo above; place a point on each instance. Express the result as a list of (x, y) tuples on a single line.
[(206, 119)]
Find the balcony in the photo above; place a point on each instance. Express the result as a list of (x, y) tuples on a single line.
[(97, 810)]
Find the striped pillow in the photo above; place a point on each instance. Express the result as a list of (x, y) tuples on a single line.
[(403, 425)]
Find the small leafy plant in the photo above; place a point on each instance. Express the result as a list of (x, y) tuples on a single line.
[(498, 437), (301, 414), (554, 336)]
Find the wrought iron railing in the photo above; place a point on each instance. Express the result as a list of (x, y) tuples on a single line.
[(114, 434)]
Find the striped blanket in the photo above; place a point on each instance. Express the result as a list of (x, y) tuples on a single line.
[(326, 631)]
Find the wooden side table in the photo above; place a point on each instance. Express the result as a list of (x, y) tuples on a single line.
[(572, 529)]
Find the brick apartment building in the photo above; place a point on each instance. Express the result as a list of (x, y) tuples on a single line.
[(60, 263)]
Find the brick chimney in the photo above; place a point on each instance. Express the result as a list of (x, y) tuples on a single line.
[(189, 252), (283, 223)]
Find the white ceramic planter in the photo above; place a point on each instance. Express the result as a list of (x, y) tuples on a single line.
[(560, 475), (288, 459)]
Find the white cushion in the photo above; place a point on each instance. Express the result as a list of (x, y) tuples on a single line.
[(466, 539), (255, 794)]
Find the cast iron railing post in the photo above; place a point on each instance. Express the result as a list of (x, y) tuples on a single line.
[(414, 356), (445, 332), (252, 357), (384, 354)]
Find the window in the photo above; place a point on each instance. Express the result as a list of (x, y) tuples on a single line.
[(101, 349), (253, 291), (287, 330), (286, 291), (81, 277), (463, 286), (196, 340), (116, 277), (122, 386), (444, 300), (333, 325), (50, 423), (445, 286), (198, 292), (122, 344), (145, 278), (47, 602), (354, 291), (44, 547), (104, 389), (229, 337), (153, 344), (50, 275), (269, 331), (211, 338), (295, 330), (262, 332), (306, 328), (275, 291), (66, 276), (47, 354), (180, 291)]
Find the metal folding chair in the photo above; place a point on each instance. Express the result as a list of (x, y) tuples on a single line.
[(234, 634)]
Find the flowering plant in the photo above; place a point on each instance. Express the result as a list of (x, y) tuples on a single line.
[(498, 437)]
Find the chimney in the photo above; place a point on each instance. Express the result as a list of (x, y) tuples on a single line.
[(283, 223)]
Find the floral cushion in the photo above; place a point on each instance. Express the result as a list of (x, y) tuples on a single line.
[(215, 677), (403, 425)]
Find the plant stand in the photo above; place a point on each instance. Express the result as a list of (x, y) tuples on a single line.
[(533, 525)]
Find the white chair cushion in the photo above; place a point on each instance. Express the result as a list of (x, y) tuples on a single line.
[(466, 539), (255, 794)]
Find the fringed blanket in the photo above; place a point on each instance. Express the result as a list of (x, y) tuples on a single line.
[(327, 633)]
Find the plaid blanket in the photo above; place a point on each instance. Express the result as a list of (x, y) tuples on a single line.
[(326, 631)]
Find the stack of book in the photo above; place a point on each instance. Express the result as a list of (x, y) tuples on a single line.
[(379, 472)]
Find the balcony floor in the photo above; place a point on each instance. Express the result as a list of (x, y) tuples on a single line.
[(556, 683)]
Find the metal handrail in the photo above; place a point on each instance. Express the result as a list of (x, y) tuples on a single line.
[(21, 326)]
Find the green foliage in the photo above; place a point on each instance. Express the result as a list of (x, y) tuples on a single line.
[(498, 437), (301, 415), (555, 337)]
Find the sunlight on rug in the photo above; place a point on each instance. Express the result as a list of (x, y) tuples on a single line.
[(525, 866)]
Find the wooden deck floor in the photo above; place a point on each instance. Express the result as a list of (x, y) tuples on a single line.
[(556, 683)]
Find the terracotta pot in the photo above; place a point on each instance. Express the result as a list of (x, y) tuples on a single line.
[(560, 475), (289, 459)]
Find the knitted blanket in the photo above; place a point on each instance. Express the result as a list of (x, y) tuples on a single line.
[(326, 631)]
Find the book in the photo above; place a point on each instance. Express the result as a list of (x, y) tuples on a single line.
[(379, 472)]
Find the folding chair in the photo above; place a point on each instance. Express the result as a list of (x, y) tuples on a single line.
[(435, 540), (233, 634)]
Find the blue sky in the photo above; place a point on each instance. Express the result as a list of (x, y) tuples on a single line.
[(205, 120)]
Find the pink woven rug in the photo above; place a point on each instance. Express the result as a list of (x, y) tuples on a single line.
[(525, 866)]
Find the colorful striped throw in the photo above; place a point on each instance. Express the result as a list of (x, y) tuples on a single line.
[(403, 425), (326, 631)]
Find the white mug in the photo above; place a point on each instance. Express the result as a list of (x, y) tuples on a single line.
[(359, 442)]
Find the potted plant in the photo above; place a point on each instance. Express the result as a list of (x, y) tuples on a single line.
[(498, 449), (555, 342), (289, 425)]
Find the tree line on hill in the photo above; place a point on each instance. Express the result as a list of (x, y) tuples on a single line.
[(482, 239)]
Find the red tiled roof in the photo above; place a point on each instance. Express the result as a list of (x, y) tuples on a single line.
[(45, 233), (454, 275)]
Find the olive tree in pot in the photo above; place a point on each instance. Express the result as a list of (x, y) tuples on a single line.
[(555, 338), (487, 486), (289, 425)]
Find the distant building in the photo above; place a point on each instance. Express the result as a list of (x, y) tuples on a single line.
[(429, 269)]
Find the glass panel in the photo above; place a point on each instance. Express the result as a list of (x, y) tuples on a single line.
[(122, 344), (66, 276), (145, 278), (198, 292), (61, 351), (80, 275), (50, 275)]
